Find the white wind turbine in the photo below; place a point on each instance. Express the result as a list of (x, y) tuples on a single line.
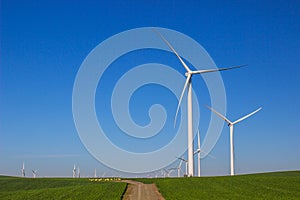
[(23, 170), (78, 172), (34, 173), (74, 171), (230, 124), (186, 164), (179, 168), (198, 151), (95, 173), (188, 84)]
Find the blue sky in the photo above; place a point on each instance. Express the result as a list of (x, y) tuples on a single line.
[(43, 44)]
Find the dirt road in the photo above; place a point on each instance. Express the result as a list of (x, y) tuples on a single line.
[(141, 191)]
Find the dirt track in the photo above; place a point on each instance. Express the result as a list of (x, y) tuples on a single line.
[(141, 191)]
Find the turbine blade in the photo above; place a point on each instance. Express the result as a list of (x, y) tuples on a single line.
[(223, 117), (180, 163), (173, 50), (182, 159), (182, 93), (241, 119), (198, 139), (215, 70)]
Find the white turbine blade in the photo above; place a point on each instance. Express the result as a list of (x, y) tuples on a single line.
[(180, 163), (241, 119), (198, 140), (170, 46), (215, 70), (223, 117), (182, 159), (182, 93)]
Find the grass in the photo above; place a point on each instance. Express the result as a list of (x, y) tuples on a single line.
[(58, 188), (277, 185)]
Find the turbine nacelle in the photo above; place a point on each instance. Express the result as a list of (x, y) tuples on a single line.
[(187, 74)]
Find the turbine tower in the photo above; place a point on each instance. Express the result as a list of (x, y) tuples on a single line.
[(74, 171), (23, 170), (95, 173), (231, 124), (188, 84)]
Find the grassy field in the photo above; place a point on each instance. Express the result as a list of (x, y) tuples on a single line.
[(58, 188), (278, 185)]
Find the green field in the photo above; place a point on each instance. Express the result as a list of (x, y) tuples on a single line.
[(278, 185), (58, 188)]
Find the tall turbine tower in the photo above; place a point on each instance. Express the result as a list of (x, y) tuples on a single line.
[(230, 124), (95, 173), (23, 170), (188, 84)]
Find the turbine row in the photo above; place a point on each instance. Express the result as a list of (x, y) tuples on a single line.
[(188, 86)]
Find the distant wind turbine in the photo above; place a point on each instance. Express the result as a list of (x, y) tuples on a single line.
[(78, 171), (23, 170), (198, 151), (74, 171), (34, 173), (186, 164), (165, 173), (179, 168), (188, 84), (95, 173), (230, 124)]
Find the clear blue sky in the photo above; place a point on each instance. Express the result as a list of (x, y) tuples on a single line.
[(43, 44)]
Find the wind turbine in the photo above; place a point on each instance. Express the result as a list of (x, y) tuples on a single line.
[(23, 170), (198, 151), (74, 171), (34, 173), (186, 164), (188, 84), (231, 124), (78, 172), (165, 172), (179, 168), (95, 173)]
